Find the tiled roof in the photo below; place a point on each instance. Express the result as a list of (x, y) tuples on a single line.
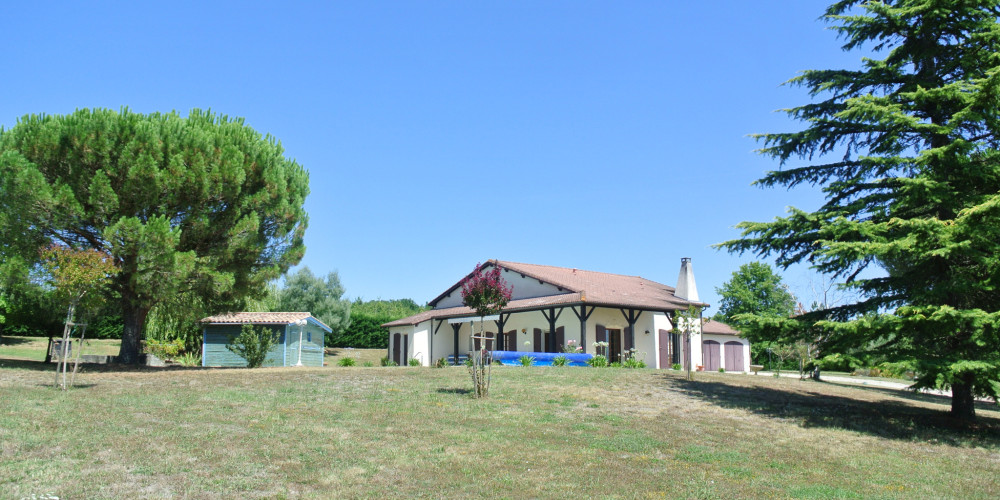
[(589, 287), (265, 318), (713, 327), (512, 306)]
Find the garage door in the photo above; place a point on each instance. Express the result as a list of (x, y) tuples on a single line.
[(734, 357), (710, 355)]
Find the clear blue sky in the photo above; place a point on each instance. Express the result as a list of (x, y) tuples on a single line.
[(610, 136)]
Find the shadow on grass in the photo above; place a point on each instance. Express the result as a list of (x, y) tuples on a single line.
[(454, 390), (876, 411), (18, 340), (42, 366)]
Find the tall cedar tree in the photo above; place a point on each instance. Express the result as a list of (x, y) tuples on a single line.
[(202, 204), (914, 190)]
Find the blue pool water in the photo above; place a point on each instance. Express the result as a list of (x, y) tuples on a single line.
[(541, 358)]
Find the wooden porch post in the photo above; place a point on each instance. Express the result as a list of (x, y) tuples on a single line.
[(583, 315), (631, 316), (456, 327), (501, 340), (550, 340)]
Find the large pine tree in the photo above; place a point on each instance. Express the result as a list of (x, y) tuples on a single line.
[(905, 150), (201, 204)]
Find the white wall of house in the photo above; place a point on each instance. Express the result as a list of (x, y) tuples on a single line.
[(420, 347), (524, 288)]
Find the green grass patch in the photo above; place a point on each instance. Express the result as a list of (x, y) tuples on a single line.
[(354, 432)]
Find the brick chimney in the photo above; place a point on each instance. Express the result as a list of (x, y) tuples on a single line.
[(686, 288)]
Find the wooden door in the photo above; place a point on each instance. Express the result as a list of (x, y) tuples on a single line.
[(395, 348), (560, 339), (665, 345), (710, 355), (734, 356), (614, 344), (512, 340), (537, 337)]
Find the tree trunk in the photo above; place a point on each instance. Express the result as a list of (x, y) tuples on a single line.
[(963, 404), (134, 318)]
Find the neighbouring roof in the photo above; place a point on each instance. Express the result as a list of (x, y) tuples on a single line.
[(263, 318), (712, 327), (580, 286)]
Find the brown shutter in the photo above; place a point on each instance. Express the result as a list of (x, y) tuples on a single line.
[(512, 340), (664, 338), (602, 334), (629, 338), (560, 339), (489, 342), (538, 341), (395, 348)]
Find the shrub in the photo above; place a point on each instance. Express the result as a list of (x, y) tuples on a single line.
[(526, 360), (572, 347), (385, 361), (598, 361), (615, 364), (163, 349), (676, 366), (189, 359), (559, 361), (441, 363), (252, 344), (346, 362), (722, 370), (414, 362), (633, 363)]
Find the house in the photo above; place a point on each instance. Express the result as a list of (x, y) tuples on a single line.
[(553, 306), (300, 338)]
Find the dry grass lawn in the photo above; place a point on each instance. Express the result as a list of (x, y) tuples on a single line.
[(545, 432)]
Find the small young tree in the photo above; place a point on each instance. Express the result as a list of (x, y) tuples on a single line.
[(253, 344), (684, 322), (487, 293), (77, 276)]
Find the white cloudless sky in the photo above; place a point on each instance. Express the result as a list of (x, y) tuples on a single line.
[(610, 136)]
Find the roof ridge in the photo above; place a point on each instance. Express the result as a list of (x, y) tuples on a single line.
[(574, 269)]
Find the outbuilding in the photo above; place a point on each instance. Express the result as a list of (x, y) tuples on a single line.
[(300, 338)]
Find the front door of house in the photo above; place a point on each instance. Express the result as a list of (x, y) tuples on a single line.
[(614, 344)]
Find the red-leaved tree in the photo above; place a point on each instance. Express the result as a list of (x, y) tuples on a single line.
[(487, 293), (78, 277)]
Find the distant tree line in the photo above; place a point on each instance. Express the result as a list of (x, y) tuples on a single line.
[(365, 330), (31, 308)]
